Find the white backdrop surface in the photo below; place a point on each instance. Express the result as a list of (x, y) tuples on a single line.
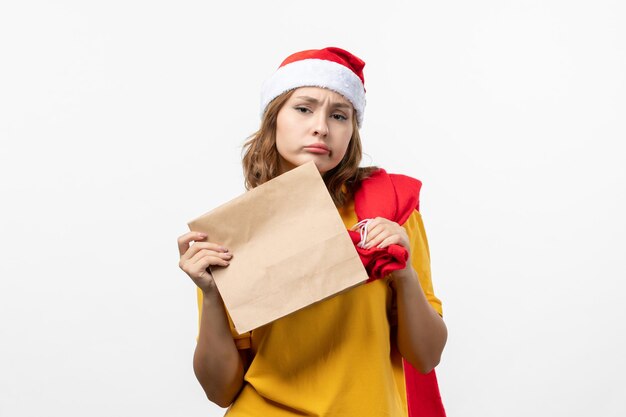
[(122, 120)]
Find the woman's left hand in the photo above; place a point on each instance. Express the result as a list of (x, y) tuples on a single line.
[(382, 232)]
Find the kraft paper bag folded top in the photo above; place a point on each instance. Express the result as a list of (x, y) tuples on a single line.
[(290, 248)]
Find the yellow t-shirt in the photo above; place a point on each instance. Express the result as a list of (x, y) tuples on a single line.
[(336, 357)]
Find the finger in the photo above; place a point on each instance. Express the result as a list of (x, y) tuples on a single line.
[(208, 252), (210, 260), (200, 271), (374, 231), (380, 224), (197, 269), (378, 239), (197, 251), (183, 241), (363, 222), (198, 246), (391, 240), (367, 228)]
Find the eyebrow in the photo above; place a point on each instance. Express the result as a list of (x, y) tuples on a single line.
[(316, 101)]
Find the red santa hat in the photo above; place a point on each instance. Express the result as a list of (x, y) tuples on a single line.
[(332, 68)]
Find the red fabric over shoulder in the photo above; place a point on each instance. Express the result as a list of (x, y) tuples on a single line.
[(394, 197)]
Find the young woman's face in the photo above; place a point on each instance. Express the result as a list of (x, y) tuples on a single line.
[(315, 124)]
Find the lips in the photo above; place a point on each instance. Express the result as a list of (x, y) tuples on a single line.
[(317, 148)]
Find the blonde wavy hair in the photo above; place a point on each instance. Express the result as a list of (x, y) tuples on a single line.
[(261, 160)]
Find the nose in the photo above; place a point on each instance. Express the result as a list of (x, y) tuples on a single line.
[(320, 127)]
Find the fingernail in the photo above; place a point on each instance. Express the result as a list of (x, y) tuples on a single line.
[(223, 249), (202, 235)]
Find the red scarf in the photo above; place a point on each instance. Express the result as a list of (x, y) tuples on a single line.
[(394, 197)]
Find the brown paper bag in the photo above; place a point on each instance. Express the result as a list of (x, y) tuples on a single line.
[(290, 248)]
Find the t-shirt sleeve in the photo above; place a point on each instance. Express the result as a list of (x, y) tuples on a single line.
[(242, 341), (420, 257)]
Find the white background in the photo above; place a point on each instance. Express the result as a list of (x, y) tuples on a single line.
[(122, 120)]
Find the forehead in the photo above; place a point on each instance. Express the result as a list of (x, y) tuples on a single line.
[(320, 94)]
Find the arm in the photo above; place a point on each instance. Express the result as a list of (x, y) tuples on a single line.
[(422, 333), (216, 361)]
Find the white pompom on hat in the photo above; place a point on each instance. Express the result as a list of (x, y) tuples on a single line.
[(331, 67)]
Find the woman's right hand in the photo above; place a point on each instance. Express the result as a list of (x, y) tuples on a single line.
[(195, 259)]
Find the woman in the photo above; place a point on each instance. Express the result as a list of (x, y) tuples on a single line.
[(342, 356)]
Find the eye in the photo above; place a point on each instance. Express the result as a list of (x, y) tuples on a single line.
[(339, 117), (301, 109)]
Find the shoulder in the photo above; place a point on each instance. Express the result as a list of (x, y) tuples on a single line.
[(390, 195), (401, 182), (407, 187)]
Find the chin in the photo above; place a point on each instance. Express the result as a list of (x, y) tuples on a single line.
[(323, 168)]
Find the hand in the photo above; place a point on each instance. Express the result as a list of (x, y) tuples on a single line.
[(196, 260), (382, 232)]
